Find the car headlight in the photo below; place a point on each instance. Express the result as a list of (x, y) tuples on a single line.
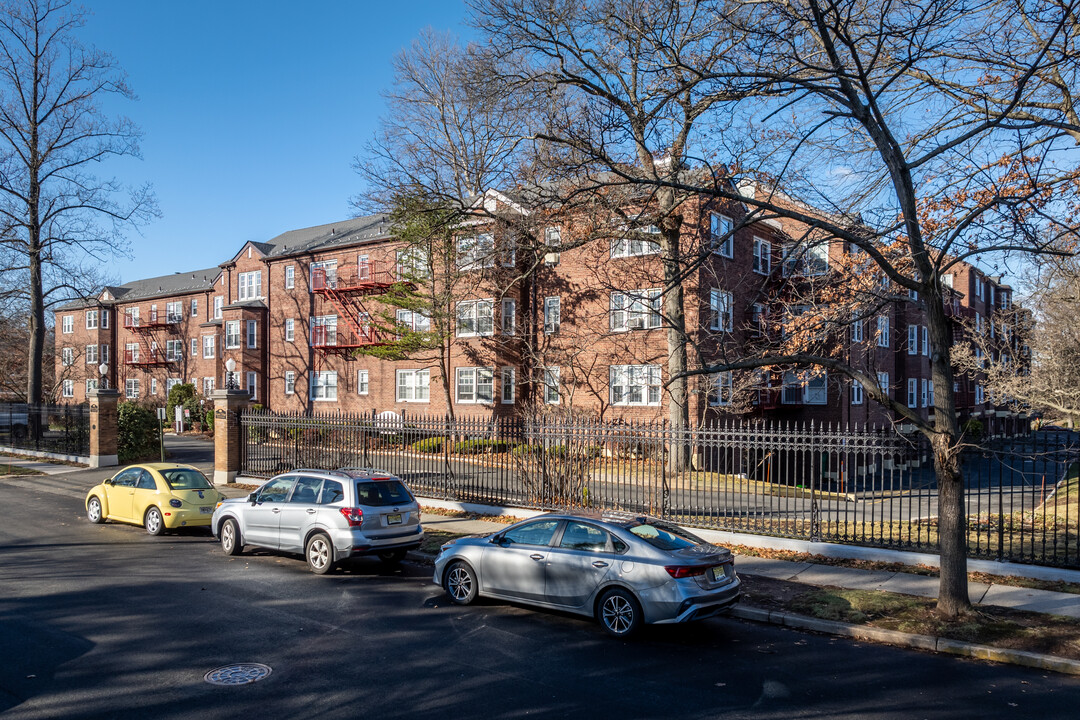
[(175, 503)]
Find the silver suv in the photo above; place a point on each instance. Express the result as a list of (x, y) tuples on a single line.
[(328, 515)]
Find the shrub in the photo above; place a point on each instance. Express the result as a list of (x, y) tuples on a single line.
[(185, 396), (136, 432), (431, 444), (973, 430), (209, 419), (477, 446)]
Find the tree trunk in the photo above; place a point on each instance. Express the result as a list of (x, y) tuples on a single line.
[(675, 321)]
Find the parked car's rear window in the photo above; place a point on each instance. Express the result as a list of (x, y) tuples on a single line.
[(664, 536), (184, 479), (382, 492)]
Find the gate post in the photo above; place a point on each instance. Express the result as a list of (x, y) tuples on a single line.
[(228, 404), (103, 417)]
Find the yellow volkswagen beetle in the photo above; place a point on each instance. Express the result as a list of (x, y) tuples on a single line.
[(158, 496)]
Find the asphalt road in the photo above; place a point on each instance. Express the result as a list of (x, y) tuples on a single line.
[(106, 621)]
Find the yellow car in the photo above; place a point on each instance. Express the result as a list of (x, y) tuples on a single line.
[(158, 496)]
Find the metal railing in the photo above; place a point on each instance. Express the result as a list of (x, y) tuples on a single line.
[(61, 429), (855, 485)]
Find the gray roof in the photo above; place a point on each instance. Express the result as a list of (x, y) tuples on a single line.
[(175, 284), (354, 231)]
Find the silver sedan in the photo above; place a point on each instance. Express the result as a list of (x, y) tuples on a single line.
[(622, 570)]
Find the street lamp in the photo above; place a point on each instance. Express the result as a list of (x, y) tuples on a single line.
[(103, 369), (230, 376)]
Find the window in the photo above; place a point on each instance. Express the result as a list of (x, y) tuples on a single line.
[(508, 316), (412, 385), (913, 340), (551, 385), (208, 346), (720, 310), (91, 385), (232, 334), (508, 253), (194, 307), (635, 310), (634, 384), (912, 393), (980, 395), (924, 395), (290, 329), (857, 330), (883, 381), (68, 324), (290, 382), (361, 382), (104, 353), (816, 389), (323, 386), (759, 319), (539, 533), (252, 333), (414, 320), (507, 385), (67, 356), (208, 385), (324, 331), (474, 253), (720, 389), (925, 341), (980, 357), (947, 280), (634, 247), (552, 238), (219, 302), (131, 317), (883, 331), (978, 323), (552, 315), (174, 350), (930, 397), (475, 317), (91, 319), (323, 274), (153, 386), (856, 393), (194, 347), (721, 239), (805, 260), (170, 383), (174, 312), (290, 277), (475, 385), (104, 317), (131, 388), (91, 355), (762, 256), (69, 389), (253, 385), (805, 387), (250, 285)]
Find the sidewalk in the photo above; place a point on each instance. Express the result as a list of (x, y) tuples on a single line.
[(39, 466)]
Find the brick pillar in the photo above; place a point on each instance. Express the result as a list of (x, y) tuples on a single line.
[(103, 427), (228, 404)]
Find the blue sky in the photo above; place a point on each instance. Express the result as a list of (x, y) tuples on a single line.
[(252, 113)]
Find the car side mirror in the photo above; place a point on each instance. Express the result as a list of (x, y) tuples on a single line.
[(253, 498), (496, 539), (108, 481)]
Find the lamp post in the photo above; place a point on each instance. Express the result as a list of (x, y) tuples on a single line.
[(103, 369), (230, 376)]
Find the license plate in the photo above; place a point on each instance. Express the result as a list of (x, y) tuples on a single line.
[(393, 519), (717, 573), (207, 509)]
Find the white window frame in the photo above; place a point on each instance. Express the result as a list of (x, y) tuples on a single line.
[(131, 388), (930, 396), (624, 247), (219, 303), (636, 310), (412, 386), (508, 316), (507, 385), (91, 319), (103, 353), (550, 382), (721, 388), (362, 382), (857, 330), (290, 382), (208, 385), (926, 341), (104, 318), (320, 388), (91, 353), (91, 384), (414, 320), (720, 314), (856, 393), (252, 333), (719, 227), (476, 252), (194, 347), (174, 311), (249, 285), (475, 312), (174, 350), (883, 331), (472, 379), (209, 348), (883, 383), (552, 314), (232, 335), (68, 389), (67, 324), (913, 392), (67, 356), (913, 340), (290, 329), (924, 393), (635, 385), (330, 322), (194, 307), (153, 386), (290, 277), (762, 249), (253, 384)]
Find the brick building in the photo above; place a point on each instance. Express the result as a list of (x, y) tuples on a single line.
[(573, 324)]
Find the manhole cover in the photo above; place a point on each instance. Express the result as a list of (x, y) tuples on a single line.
[(240, 674)]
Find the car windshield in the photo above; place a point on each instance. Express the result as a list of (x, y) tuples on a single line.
[(664, 536), (382, 492), (186, 479)]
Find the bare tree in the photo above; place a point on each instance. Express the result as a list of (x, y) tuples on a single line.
[(55, 212)]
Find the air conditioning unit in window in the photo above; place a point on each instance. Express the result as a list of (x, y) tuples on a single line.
[(551, 258), (636, 323)]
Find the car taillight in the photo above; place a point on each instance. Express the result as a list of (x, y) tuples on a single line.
[(354, 516), (684, 571)]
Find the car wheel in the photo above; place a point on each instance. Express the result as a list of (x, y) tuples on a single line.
[(392, 557), (460, 583), (93, 511), (230, 538), (154, 523), (319, 553), (619, 612)]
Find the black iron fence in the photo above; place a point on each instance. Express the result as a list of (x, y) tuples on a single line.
[(61, 429), (864, 486)]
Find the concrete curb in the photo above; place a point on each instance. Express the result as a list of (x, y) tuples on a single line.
[(919, 642)]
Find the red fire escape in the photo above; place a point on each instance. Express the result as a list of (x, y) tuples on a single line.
[(144, 330), (346, 290)]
